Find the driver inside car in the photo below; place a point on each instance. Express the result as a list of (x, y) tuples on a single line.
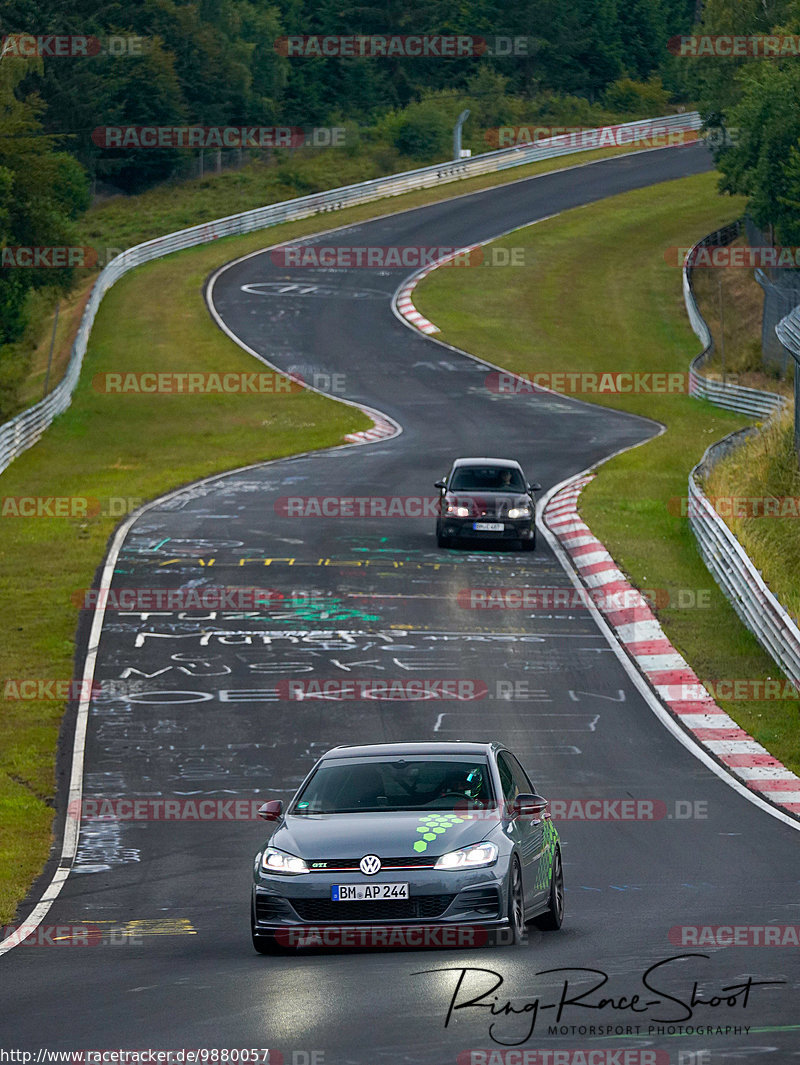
[(469, 785)]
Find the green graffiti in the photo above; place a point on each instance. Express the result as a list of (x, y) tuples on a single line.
[(304, 609)]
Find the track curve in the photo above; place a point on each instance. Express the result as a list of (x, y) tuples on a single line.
[(206, 722)]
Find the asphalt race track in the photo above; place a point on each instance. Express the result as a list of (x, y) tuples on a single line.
[(201, 717)]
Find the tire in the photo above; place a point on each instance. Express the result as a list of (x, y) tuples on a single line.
[(516, 905), (551, 920), (529, 545), (441, 540), (265, 945)]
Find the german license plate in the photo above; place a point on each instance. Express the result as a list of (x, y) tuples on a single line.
[(488, 526), (362, 892)]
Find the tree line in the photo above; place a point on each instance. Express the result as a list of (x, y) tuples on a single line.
[(216, 63), (752, 102)]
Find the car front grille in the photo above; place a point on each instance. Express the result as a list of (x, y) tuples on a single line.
[(342, 864), (419, 907)]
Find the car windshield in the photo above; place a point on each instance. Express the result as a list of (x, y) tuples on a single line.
[(486, 479), (396, 784)]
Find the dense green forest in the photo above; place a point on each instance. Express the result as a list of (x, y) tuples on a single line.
[(215, 62), (220, 63), (755, 102)]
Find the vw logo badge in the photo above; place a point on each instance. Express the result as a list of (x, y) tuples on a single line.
[(370, 864)]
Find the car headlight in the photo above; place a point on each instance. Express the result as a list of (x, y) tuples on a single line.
[(275, 861), (519, 512), (457, 511), (469, 857)]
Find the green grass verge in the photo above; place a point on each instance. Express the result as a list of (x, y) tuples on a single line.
[(731, 295), (119, 223), (124, 221), (765, 467), (138, 447), (598, 295), (112, 446)]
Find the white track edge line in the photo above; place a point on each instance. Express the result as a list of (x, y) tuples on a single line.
[(72, 821), (51, 892)]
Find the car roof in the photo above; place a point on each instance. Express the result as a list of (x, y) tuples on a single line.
[(478, 461), (368, 750)]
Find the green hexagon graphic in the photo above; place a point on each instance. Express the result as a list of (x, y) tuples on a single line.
[(434, 824)]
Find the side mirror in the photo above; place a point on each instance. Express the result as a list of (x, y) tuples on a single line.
[(535, 487), (440, 484), (271, 811), (531, 805)]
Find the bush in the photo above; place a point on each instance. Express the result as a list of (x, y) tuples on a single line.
[(642, 98), (424, 130)]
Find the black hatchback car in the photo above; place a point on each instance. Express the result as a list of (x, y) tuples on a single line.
[(484, 498), (407, 836)]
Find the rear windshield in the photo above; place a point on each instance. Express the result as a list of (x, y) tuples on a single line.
[(396, 784), (487, 479)]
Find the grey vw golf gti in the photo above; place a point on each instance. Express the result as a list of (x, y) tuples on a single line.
[(407, 836)]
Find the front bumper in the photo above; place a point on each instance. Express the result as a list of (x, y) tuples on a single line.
[(472, 897), (462, 528)]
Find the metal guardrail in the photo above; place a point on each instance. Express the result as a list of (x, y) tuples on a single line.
[(724, 556), (788, 330), (753, 401), (26, 428), (736, 575)]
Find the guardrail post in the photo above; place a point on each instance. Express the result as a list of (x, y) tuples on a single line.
[(462, 118)]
